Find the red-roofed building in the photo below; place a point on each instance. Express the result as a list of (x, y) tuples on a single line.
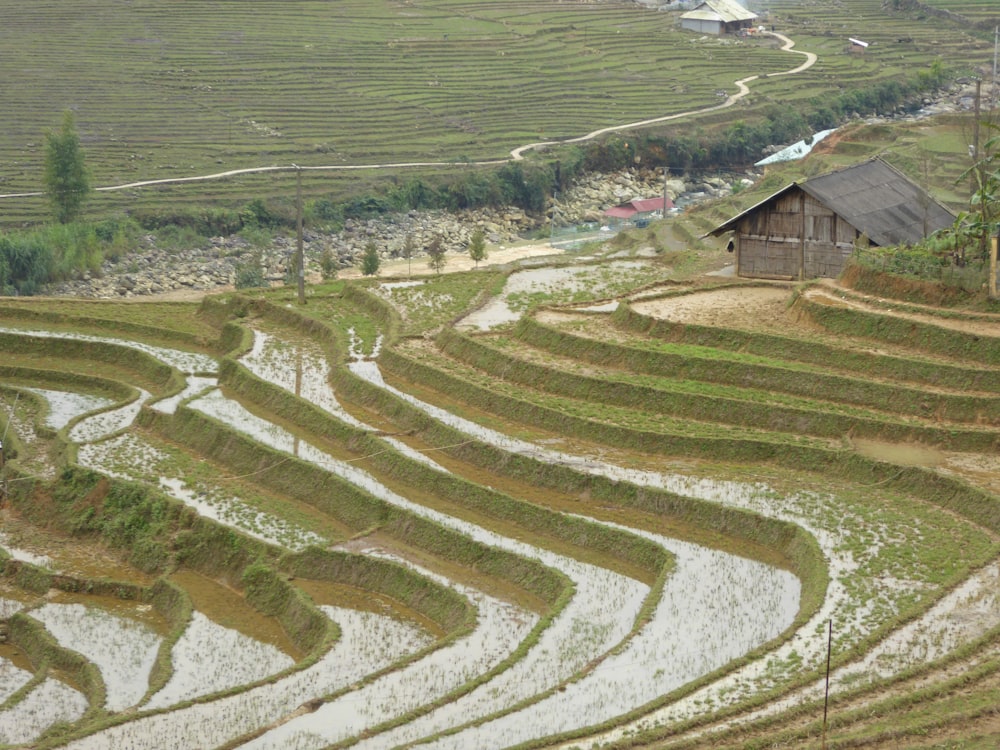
[(638, 209)]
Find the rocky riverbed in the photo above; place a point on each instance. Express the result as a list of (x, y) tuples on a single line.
[(151, 269)]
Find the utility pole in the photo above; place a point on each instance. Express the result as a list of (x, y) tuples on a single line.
[(300, 253), (993, 89), (666, 172), (979, 176)]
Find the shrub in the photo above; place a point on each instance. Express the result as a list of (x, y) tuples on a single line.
[(250, 274), (173, 238), (370, 261)]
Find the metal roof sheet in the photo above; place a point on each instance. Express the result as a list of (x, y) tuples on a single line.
[(724, 10), (880, 201), (705, 14), (638, 206), (874, 198)]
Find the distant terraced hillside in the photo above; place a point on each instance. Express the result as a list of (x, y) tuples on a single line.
[(189, 88)]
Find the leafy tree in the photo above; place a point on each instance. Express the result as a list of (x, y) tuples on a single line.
[(435, 253), (370, 261), (983, 220), (66, 179), (477, 246)]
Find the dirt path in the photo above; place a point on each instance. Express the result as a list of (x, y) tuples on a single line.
[(455, 262), (766, 307), (741, 85)]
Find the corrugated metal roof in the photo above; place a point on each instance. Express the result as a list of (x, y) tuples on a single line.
[(703, 14), (874, 198), (650, 204), (638, 206), (727, 11), (880, 201)]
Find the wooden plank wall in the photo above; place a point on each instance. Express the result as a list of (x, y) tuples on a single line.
[(770, 239)]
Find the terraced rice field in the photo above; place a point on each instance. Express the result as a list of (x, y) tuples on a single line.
[(184, 89), (601, 507), (981, 12)]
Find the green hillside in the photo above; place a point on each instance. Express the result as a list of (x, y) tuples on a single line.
[(191, 88)]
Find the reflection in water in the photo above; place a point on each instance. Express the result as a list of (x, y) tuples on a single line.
[(107, 422), (209, 658), (368, 643), (65, 406), (123, 649), (52, 701), (189, 363)]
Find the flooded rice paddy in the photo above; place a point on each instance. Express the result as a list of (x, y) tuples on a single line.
[(591, 662), (107, 423), (50, 702), (124, 650), (65, 406), (195, 384), (301, 368), (368, 644), (823, 516), (210, 658), (188, 363)]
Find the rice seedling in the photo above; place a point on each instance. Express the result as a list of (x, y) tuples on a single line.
[(559, 284), (124, 650), (715, 607), (195, 385), (599, 617), (898, 602), (210, 658), (105, 423), (134, 458), (50, 702), (310, 378), (12, 677), (499, 628), (65, 406), (369, 643), (854, 538)]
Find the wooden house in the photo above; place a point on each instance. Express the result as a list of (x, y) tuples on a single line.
[(809, 229), (718, 17)]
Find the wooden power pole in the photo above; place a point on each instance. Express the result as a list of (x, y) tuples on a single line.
[(300, 256)]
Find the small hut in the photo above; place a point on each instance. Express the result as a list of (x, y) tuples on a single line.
[(718, 17), (638, 211), (808, 230)]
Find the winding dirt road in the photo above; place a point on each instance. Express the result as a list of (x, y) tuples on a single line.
[(516, 154)]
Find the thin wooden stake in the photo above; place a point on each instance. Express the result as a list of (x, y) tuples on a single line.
[(826, 698)]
